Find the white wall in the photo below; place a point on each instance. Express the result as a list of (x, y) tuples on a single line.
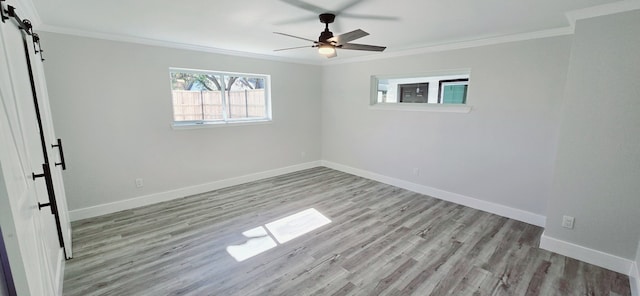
[(597, 176), (111, 105), (501, 152)]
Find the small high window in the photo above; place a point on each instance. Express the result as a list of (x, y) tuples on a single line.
[(444, 91), (210, 97), (453, 91)]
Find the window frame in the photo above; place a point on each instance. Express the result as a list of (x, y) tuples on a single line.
[(447, 82), (225, 112)]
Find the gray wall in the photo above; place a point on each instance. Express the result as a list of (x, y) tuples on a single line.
[(597, 176), (501, 152), (111, 104), (504, 151)]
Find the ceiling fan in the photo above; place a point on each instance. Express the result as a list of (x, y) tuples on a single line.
[(341, 11), (327, 43)]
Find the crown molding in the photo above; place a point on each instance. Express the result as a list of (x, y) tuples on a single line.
[(459, 45), (572, 17), (385, 55), (169, 44), (601, 10)]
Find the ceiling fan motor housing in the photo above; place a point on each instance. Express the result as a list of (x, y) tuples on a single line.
[(326, 18), (326, 34)]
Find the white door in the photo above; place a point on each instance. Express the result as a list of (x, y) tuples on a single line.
[(31, 236), (55, 148)]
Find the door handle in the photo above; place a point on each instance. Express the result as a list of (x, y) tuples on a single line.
[(49, 182), (41, 205), (46, 174), (62, 163)]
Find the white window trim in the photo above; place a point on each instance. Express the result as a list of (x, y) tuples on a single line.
[(450, 108), (215, 124), (225, 121)]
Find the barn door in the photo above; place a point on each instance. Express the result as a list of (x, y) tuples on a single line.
[(26, 183), (52, 146)]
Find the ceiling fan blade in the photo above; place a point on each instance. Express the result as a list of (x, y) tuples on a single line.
[(346, 37), (284, 34), (305, 6), (354, 46), (297, 20), (348, 5), (370, 17), (306, 46)]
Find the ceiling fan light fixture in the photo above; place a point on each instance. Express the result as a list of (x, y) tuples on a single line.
[(326, 49), (328, 44)]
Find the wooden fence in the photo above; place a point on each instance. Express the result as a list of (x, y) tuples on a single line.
[(207, 105)]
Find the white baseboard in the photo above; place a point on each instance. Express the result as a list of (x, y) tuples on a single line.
[(494, 208), (135, 202), (585, 254), (498, 209), (595, 257)]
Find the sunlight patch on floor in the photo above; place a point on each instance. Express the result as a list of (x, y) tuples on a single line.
[(258, 241), (263, 238)]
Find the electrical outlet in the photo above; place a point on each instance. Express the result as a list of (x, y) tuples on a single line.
[(303, 155), (416, 172), (567, 222), (139, 183)]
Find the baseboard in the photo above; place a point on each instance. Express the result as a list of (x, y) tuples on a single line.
[(578, 252), (595, 257), (475, 203), (135, 202)]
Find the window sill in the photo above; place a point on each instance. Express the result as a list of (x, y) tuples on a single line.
[(452, 108), (191, 125)]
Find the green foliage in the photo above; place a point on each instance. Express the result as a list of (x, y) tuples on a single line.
[(191, 81)]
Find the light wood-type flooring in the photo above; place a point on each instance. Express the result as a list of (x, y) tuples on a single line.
[(382, 241)]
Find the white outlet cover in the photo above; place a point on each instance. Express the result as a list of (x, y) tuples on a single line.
[(567, 222)]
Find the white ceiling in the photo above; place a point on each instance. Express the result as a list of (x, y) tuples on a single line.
[(248, 26)]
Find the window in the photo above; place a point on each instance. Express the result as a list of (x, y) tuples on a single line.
[(413, 93), (208, 97), (453, 91), (444, 91)]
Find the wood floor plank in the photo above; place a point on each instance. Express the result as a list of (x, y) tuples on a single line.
[(477, 282), (382, 240)]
